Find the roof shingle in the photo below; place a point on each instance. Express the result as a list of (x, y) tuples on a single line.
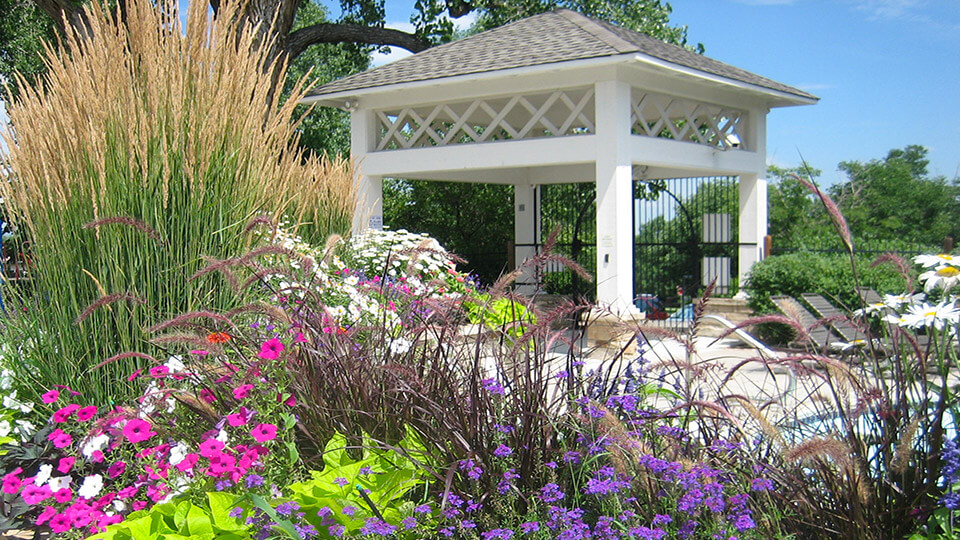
[(551, 37)]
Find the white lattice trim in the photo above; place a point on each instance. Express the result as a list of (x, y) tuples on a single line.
[(547, 114), (657, 115)]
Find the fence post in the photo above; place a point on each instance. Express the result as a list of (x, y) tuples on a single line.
[(947, 244), (767, 246)]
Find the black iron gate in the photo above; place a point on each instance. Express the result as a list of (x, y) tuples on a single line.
[(685, 236), (571, 211)]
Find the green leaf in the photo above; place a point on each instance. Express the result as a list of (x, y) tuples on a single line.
[(180, 515), (221, 504), (284, 524), (198, 522)]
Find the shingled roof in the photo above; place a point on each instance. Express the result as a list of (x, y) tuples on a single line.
[(547, 38)]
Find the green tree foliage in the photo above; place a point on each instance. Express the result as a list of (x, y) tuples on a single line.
[(890, 203), (795, 217), (324, 129), (23, 28), (895, 199)]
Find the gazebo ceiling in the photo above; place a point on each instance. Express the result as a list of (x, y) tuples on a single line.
[(544, 41)]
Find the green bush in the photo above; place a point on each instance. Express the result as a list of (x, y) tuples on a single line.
[(828, 275)]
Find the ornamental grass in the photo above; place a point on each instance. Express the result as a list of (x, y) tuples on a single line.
[(148, 146)]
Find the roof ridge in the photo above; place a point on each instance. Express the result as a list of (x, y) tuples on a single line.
[(598, 31)]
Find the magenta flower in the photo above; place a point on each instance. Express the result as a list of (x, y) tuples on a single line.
[(61, 523), (187, 463), (65, 464), (242, 391), (63, 496), (159, 372), (207, 395), (12, 482), (264, 432), (236, 420), (271, 349), (137, 431), (87, 413), (33, 494), (45, 516), (210, 447), (59, 438), (116, 469), (64, 414), (51, 396)]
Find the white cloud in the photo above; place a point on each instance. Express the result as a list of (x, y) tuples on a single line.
[(889, 9)]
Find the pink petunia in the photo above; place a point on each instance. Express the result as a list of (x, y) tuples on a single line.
[(116, 469), (60, 523), (134, 375), (63, 496), (127, 492), (187, 462), (33, 494), (137, 431), (45, 516), (242, 391), (207, 395), (12, 482), (271, 349), (236, 419), (87, 413), (264, 432), (159, 372), (51, 396), (220, 464), (65, 464), (59, 438), (64, 414), (211, 447), (290, 401)]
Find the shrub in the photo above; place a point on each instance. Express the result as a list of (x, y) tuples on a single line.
[(122, 201), (806, 272)]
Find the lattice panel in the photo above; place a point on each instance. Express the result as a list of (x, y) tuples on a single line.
[(656, 115), (552, 114)]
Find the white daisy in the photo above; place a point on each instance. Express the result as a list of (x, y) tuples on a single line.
[(944, 276), (929, 261), (937, 316)]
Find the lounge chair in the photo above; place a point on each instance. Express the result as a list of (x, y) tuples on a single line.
[(839, 320), (822, 336)]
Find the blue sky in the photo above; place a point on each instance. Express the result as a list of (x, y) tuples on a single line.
[(887, 72)]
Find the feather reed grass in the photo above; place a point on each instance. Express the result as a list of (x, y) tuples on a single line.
[(146, 147)]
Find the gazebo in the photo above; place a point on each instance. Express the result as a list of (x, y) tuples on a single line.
[(560, 97)]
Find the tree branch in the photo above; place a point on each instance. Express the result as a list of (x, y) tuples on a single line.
[(298, 41)]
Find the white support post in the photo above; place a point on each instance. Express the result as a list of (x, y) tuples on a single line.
[(753, 197), (614, 170), (363, 140), (525, 208)]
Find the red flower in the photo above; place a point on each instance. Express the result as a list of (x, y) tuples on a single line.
[(218, 337)]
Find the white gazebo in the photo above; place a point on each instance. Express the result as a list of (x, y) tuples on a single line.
[(560, 97)]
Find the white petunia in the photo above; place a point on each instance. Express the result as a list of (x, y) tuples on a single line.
[(5, 428), (93, 444), (6, 379), (175, 364), (60, 482), (43, 474), (178, 453), (400, 346), (91, 487), (10, 401)]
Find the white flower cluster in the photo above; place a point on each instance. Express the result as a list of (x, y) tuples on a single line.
[(10, 425)]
